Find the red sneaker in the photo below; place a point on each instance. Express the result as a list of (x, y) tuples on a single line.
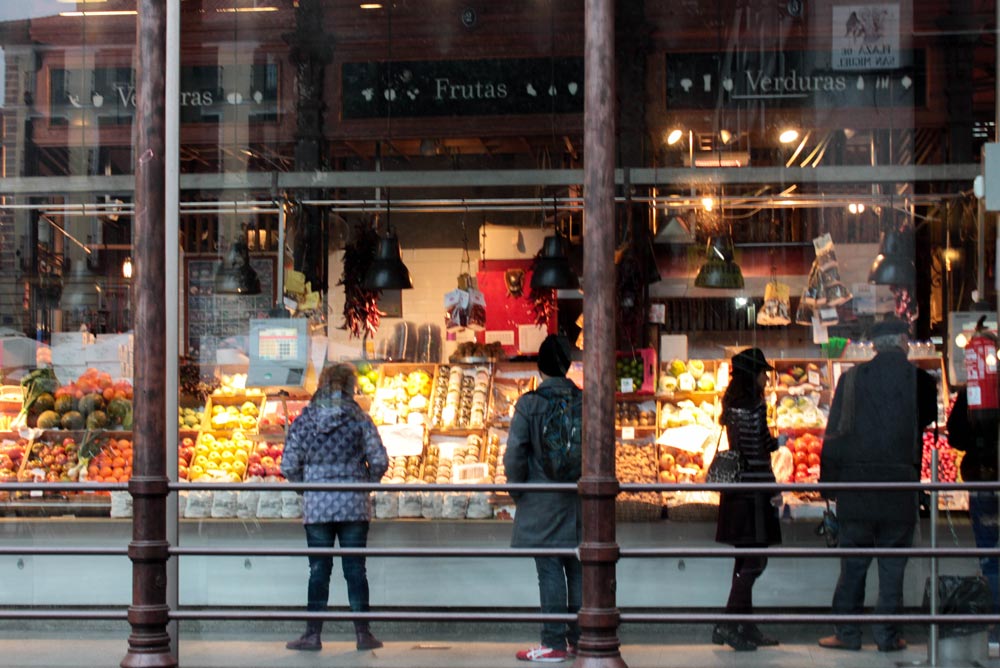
[(542, 654)]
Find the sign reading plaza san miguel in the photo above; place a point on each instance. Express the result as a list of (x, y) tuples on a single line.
[(462, 88), (865, 37), (207, 93)]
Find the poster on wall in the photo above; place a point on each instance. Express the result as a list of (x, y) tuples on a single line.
[(865, 37)]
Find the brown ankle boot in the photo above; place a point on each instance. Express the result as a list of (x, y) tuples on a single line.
[(365, 638), (308, 642)]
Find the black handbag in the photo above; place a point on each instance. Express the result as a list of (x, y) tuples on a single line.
[(726, 466), (829, 527)]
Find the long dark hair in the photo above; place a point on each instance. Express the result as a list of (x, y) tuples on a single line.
[(743, 391)]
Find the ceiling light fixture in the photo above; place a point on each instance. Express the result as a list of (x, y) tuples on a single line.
[(720, 270), (788, 136), (894, 263), (387, 271), (105, 12), (127, 267), (371, 5), (725, 135), (241, 10), (708, 203), (856, 207), (674, 136)]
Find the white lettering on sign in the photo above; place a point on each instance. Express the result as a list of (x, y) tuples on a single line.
[(126, 94), (444, 89), (760, 83)]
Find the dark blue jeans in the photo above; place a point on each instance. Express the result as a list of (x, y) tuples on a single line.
[(983, 513), (560, 588), (351, 534), (849, 596)]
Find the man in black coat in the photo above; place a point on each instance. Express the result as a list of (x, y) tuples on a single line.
[(892, 403)]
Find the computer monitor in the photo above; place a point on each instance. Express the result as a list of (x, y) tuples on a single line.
[(279, 352)]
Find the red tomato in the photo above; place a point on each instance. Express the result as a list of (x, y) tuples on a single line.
[(801, 469), (813, 459), (801, 458), (815, 447)]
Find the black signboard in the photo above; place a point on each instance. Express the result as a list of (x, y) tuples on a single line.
[(789, 79), (205, 92), (462, 88)]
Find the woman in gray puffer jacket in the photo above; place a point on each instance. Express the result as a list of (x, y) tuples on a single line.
[(334, 440)]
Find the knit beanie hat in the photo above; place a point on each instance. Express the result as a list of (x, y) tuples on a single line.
[(554, 355)]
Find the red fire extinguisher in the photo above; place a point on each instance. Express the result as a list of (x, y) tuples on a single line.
[(981, 374)]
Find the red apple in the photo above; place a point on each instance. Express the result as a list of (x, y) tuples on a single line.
[(272, 471), (275, 451), (68, 441), (255, 470), (254, 458), (187, 442), (267, 461)]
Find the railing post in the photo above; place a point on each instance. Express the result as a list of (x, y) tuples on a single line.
[(932, 638), (599, 617), (149, 614)]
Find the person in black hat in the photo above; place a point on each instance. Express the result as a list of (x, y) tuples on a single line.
[(747, 519), (547, 519), (862, 445)]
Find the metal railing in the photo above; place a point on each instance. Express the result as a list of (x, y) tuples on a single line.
[(933, 552)]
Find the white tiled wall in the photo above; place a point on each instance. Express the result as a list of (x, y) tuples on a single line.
[(434, 272)]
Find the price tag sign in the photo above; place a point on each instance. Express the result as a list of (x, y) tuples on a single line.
[(814, 377), (628, 433), (627, 385)]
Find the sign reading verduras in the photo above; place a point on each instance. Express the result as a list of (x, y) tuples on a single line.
[(803, 79)]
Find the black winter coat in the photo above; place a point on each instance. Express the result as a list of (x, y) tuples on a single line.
[(977, 438), (893, 402), (749, 518)]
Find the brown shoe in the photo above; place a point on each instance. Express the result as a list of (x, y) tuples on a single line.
[(893, 645), (309, 642), (833, 642)]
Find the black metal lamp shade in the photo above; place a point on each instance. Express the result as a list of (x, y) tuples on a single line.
[(235, 276), (720, 271), (552, 270), (894, 263), (387, 271)]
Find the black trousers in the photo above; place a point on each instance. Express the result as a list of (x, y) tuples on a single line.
[(746, 570)]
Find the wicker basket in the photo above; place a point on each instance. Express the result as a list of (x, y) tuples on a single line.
[(629, 510)]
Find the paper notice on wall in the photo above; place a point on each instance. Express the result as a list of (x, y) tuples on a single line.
[(864, 298), (504, 337), (530, 337), (820, 332)]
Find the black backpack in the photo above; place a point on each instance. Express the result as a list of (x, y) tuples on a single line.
[(562, 433)]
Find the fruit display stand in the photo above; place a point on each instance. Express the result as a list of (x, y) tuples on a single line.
[(637, 462), (403, 394)]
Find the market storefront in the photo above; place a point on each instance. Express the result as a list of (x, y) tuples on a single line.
[(796, 143)]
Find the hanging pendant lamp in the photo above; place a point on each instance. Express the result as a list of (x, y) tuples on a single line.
[(719, 271), (235, 276), (387, 271), (894, 263), (551, 270)]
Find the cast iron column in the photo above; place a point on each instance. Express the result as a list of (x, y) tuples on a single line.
[(149, 642), (599, 618)]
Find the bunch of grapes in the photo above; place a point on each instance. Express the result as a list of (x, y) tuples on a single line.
[(947, 458)]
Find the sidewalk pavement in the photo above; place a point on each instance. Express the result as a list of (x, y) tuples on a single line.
[(648, 647)]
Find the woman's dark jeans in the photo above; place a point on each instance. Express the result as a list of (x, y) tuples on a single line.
[(560, 588), (351, 534)]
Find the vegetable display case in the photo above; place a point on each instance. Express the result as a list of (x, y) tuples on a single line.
[(440, 423)]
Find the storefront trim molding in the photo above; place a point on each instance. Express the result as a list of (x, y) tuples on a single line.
[(258, 181)]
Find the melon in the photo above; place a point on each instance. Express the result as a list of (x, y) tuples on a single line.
[(91, 402), (118, 409), (48, 420), (72, 420), (97, 420), (44, 402), (65, 404)]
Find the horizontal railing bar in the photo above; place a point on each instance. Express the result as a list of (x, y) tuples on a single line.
[(35, 550), (804, 618), (483, 616), (34, 613), (512, 487), (786, 552), (376, 552)]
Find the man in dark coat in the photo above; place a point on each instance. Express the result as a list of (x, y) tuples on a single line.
[(546, 519), (892, 403)]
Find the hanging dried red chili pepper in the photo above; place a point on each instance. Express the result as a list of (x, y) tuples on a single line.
[(361, 314)]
